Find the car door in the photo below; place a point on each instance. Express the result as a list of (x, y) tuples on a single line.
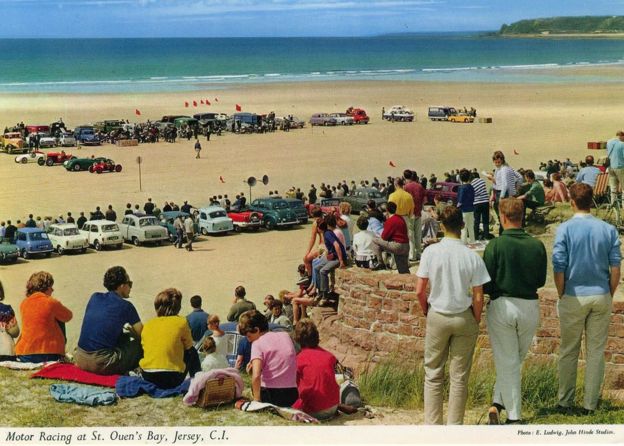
[(124, 227)]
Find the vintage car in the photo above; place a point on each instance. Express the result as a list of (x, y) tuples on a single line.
[(293, 122), (12, 142), (32, 241), (360, 197), (214, 220), (52, 158), (141, 228), (327, 205), (67, 237), (190, 122), (399, 113), (46, 141), (359, 115), (102, 233), (444, 191), (275, 212), (32, 157), (78, 164), (66, 140), (322, 119), (166, 221), (104, 165), (8, 251), (343, 118), (242, 220), (85, 135), (298, 207), (108, 125), (171, 118)]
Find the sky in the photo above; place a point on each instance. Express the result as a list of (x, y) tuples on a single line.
[(275, 18)]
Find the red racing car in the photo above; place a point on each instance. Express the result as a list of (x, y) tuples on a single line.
[(246, 219), (107, 165)]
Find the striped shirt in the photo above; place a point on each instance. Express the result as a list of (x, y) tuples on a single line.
[(480, 191), (506, 180)]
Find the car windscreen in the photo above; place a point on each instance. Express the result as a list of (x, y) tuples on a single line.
[(279, 205), (38, 236), (110, 228), (70, 231), (296, 204), (217, 214), (149, 221), (375, 194)]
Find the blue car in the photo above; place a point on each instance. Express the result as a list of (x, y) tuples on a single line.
[(32, 241)]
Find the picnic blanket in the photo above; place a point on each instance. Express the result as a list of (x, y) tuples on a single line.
[(17, 365), (199, 381), (131, 386), (285, 412), (81, 394), (71, 372)]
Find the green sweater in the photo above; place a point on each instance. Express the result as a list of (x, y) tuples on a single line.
[(536, 193), (516, 263)]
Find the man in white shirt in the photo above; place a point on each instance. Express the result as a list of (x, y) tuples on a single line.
[(362, 244), (453, 316)]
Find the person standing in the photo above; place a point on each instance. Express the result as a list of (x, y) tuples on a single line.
[(453, 316), (414, 223), (615, 151), (481, 207), (586, 262), (178, 225), (465, 202), (81, 220), (198, 148), (516, 262), (148, 207), (190, 232), (505, 181), (110, 215)]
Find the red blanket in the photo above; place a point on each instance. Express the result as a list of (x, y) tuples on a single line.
[(70, 372)]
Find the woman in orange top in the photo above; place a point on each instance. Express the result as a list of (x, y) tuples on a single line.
[(43, 322), (559, 192)]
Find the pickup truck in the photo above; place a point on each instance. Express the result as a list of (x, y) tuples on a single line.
[(12, 142)]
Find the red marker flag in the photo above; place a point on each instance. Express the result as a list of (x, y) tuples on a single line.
[(216, 99), (238, 108), (391, 163), (516, 152), (186, 104), (221, 179), (194, 103), (207, 102), (201, 102), (137, 112)]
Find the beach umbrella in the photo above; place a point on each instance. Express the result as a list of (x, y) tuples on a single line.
[(137, 112), (238, 108)]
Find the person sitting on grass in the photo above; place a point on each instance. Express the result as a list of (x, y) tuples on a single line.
[(9, 329), (43, 322), (319, 393), (273, 364), (277, 315), (168, 352), (213, 359)]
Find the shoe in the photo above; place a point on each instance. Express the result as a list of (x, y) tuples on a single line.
[(303, 281), (563, 410), (588, 411), (323, 302), (493, 416), (508, 421), (379, 267)]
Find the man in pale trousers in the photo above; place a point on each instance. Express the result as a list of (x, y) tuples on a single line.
[(586, 262), (516, 263), (615, 152), (453, 316)]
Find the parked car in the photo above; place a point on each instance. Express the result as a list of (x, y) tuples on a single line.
[(66, 140), (461, 117), (12, 142), (52, 158), (190, 122), (33, 241), (78, 164), (166, 221), (293, 122), (343, 118), (171, 118), (359, 115), (85, 135), (46, 141), (322, 119), (243, 220), (275, 212), (102, 233), (67, 237), (360, 197), (214, 220), (105, 165), (32, 157), (8, 251), (445, 113), (399, 113), (327, 205), (108, 125), (140, 228), (444, 190), (298, 208)]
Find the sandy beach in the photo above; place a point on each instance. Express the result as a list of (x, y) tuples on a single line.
[(539, 122)]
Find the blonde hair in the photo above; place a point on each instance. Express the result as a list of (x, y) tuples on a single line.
[(512, 208), (345, 208), (209, 345), (213, 319)]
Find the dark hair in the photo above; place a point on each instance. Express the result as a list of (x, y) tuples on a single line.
[(475, 175), (408, 174), (196, 301), (301, 268), (306, 334), (276, 303), (391, 207), (330, 220), (451, 218), (399, 181), (371, 204), (168, 302), (39, 281), (529, 174), (317, 212), (322, 225), (240, 292), (1, 292), (251, 321), (498, 155), (114, 277), (589, 160), (362, 223), (464, 175), (581, 194)]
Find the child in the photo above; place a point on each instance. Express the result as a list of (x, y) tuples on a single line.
[(277, 316), (213, 360), (217, 334), (465, 203), (362, 242)]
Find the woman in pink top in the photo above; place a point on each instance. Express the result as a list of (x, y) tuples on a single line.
[(273, 363), (559, 192)]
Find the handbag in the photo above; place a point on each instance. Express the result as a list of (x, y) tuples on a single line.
[(217, 391)]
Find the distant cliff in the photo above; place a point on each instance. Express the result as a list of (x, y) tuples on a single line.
[(566, 25)]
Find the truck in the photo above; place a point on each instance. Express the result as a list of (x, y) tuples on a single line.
[(451, 114), (12, 142)]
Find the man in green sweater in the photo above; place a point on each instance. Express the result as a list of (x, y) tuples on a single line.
[(516, 263), (534, 196)]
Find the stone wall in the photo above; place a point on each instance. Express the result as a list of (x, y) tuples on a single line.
[(379, 315)]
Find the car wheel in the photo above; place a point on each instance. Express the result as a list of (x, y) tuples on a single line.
[(3, 257), (172, 238), (24, 160), (238, 228), (118, 168), (25, 254), (204, 231), (48, 254), (98, 171), (97, 245), (83, 250), (326, 123), (119, 246), (136, 241), (77, 167), (270, 224), (41, 162), (59, 250), (49, 162), (9, 149)]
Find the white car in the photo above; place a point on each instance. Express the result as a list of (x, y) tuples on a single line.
[(342, 118), (46, 140), (214, 220), (141, 228), (67, 140), (102, 233), (67, 237), (32, 157), (399, 113)]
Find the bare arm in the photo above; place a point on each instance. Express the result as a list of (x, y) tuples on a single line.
[(421, 288), (560, 283), (339, 253), (477, 302), (138, 328), (614, 278), (256, 372)]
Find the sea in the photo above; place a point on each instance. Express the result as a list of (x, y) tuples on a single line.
[(185, 64)]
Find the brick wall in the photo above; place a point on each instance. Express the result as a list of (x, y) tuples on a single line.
[(379, 315)]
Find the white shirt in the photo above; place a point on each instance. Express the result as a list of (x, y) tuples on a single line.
[(214, 361), (362, 245), (452, 269)]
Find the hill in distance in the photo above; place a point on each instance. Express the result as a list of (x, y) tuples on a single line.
[(566, 25)]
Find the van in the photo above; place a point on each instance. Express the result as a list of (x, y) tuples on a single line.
[(441, 113)]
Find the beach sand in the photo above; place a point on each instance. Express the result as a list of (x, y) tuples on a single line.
[(540, 122)]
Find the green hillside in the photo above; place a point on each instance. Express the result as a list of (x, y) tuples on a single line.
[(566, 25)]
